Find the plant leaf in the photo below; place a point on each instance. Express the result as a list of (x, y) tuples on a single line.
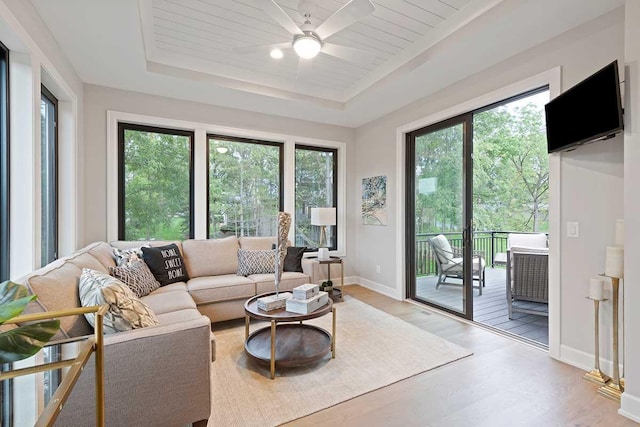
[(14, 308), (10, 291), (25, 341), (13, 299)]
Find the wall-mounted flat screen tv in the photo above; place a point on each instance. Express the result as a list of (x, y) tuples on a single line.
[(589, 111)]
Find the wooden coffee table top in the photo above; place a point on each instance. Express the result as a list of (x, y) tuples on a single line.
[(281, 315)]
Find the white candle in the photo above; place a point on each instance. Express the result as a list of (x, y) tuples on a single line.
[(619, 232), (323, 253), (596, 289), (614, 264)]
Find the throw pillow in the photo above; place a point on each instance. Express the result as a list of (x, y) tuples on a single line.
[(166, 264), (126, 311), (256, 261), (293, 260), (127, 256), (137, 277)]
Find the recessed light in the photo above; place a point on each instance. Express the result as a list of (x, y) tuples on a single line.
[(276, 54)]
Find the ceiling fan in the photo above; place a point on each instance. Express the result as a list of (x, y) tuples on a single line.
[(309, 41)]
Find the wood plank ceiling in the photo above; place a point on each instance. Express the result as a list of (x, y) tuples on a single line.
[(200, 35)]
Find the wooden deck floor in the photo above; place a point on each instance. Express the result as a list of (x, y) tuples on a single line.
[(490, 308)]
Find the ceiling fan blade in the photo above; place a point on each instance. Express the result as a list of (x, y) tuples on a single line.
[(264, 48), (272, 9), (347, 15), (350, 54)]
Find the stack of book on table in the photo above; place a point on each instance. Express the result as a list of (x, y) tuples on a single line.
[(307, 299)]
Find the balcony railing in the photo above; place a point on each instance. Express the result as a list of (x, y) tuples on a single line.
[(490, 242)]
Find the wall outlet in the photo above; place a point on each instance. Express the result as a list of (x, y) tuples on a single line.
[(377, 269)]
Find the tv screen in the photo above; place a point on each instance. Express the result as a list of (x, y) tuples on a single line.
[(589, 111)]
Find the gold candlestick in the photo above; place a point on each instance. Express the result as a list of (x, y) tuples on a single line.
[(613, 389), (595, 375)]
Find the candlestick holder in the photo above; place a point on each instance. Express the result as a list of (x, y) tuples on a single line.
[(595, 375), (613, 390)]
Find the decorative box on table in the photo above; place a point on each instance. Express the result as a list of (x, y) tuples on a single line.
[(305, 291), (306, 306), (274, 302)]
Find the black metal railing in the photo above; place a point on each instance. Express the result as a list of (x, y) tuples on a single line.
[(489, 242)]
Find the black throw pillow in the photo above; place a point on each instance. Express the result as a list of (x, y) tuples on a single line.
[(166, 264), (293, 260)]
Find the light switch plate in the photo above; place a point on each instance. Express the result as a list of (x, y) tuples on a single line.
[(573, 229)]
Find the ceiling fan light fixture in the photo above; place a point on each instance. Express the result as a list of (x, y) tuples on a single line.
[(307, 45), (276, 54)]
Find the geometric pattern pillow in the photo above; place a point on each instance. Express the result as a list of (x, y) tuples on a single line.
[(126, 311), (128, 256), (137, 277), (256, 261)]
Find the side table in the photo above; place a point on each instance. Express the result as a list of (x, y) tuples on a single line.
[(337, 293)]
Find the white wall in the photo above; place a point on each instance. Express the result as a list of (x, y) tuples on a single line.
[(630, 404), (99, 99), (591, 183), (36, 58)]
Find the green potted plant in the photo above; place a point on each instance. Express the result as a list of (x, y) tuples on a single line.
[(23, 341), (327, 286)]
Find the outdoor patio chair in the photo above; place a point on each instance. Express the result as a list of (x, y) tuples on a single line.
[(449, 263), (527, 272)]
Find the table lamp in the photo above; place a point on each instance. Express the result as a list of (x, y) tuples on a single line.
[(323, 217)]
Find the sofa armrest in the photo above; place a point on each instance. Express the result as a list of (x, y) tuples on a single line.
[(310, 268), (152, 376)]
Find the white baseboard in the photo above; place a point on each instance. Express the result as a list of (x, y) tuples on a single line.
[(630, 407), (583, 360), (377, 287)]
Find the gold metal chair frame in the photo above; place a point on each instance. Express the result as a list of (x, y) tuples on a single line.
[(91, 345)]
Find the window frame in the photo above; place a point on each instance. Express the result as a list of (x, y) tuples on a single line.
[(281, 154), (334, 151), (46, 94), (124, 126), (201, 129), (5, 169)]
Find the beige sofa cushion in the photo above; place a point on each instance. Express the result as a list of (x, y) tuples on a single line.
[(212, 257), (178, 286), (103, 252), (220, 288), (289, 280), (57, 289), (86, 260), (253, 243), (167, 302), (178, 316)]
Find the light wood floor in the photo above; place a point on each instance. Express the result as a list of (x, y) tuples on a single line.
[(505, 383)]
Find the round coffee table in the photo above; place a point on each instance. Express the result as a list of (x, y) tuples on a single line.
[(291, 344)]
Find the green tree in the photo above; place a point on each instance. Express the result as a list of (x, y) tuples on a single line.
[(156, 185), (244, 188), (511, 169)]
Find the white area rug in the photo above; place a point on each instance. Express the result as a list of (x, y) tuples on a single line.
[(373, 350)]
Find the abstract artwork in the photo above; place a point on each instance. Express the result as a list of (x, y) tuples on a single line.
[(374, 200)]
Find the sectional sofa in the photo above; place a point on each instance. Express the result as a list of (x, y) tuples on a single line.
[(158, 375)]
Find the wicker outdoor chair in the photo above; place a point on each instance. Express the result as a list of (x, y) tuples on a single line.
[(449, 263), (527, 278)]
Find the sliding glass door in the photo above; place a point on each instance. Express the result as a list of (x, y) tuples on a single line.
[(439, 215)]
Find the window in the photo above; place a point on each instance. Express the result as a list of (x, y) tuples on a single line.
[(155, 191), (48, 177), (4, 163), (245, 186), (316, 186)]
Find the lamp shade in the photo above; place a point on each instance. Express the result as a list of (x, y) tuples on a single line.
[(323, 216)]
